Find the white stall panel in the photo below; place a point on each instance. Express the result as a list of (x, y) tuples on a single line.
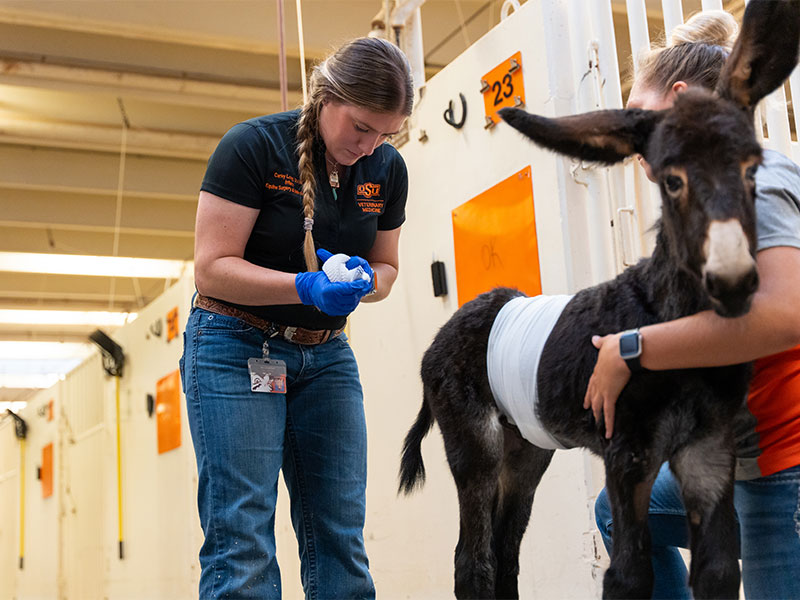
[(39, 579), (85, 443), (9, 507), (160, 522)]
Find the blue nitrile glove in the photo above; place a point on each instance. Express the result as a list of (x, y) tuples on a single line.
[(334, 298)]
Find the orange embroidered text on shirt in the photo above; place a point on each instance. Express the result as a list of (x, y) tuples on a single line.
[(369, 190), (284, 182)]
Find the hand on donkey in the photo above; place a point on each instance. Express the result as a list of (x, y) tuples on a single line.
[(609, 378)]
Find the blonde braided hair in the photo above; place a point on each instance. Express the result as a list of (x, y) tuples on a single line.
[(369, 73), (307, 128)]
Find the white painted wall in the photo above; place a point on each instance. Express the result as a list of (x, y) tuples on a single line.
[(160, 523), (72, 537), (86, 451), (39, 577), (9, 507)]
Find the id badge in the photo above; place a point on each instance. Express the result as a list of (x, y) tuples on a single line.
[(267, 376)]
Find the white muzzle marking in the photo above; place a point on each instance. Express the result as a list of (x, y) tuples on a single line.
[(727, 251)]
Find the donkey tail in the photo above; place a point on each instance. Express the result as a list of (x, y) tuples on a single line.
[(412, 471)]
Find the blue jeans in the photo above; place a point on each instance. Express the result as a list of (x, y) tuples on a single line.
[(316, 433), (768, 510)]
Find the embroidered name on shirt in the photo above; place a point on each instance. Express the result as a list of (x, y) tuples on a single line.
[(368, 197), (283, 182)]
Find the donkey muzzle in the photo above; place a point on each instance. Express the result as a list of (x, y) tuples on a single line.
[(729, 275)]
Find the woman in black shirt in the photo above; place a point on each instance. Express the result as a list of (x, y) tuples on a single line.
[(271, 382)]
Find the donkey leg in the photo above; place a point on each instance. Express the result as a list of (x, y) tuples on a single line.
[(475, 452), (523, 467), (705, 470), (629, 481)]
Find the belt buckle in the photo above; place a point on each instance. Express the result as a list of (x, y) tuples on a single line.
[(288, 333)]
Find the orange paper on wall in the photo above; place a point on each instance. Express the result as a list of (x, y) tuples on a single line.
[(168, 412), (47, 471), (494, 235), (172, 324)]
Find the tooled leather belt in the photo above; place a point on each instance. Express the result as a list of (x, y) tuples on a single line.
[(297, 335)]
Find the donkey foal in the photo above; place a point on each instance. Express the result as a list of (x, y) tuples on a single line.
[(704, 153)]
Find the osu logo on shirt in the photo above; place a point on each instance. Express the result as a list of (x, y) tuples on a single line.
[(368, 197), (369, 190)]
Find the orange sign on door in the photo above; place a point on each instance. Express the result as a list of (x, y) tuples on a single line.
[(47, 471), (172, 324), (494, 235), (168, 412)]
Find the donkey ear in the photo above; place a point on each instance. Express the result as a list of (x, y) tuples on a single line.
[(765, 53), (606, 136)]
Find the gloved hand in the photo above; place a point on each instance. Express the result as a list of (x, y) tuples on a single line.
[(334, 298), (340, 267)]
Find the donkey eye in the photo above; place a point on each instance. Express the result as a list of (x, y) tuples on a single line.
[(750, 172), (673, 183)]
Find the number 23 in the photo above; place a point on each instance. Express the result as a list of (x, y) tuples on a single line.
[(497, 87)]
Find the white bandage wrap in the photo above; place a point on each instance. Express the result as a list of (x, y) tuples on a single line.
[(336, 270), (516, 342)]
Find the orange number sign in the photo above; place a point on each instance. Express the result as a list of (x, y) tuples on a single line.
[(502, 86)]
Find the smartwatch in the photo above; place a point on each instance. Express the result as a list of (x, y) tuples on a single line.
[(630, 349)]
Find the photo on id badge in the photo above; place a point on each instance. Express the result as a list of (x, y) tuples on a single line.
[(267, 376)]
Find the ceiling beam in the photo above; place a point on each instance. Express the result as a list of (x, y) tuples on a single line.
[(98, 172), (78, 300), (178, 91), (48, 333), (71, 210), (30, 237), (142, 33), (16, 130)]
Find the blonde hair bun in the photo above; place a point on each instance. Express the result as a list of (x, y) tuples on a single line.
[(714, 27)]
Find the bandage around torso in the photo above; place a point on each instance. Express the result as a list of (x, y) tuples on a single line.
[(516, 341)]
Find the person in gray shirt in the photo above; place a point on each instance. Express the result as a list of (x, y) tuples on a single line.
[(767, 493)]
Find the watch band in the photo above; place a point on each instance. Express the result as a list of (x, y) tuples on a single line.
[(634, 364)]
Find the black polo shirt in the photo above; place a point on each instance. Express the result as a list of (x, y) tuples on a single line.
[(256, 165)]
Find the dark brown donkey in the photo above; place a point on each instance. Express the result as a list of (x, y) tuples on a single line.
[(704, 153)]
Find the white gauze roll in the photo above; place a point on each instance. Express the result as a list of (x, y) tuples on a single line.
[(336, 270)]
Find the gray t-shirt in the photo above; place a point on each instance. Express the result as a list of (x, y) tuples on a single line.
[(778, 202), (778, 214)]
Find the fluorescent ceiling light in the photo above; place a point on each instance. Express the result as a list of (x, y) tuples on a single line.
[(103, 266), (65, 317), (14, 407), (38, 366), (29, 380), (43, 350)]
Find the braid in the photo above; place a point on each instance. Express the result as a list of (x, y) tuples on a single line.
[(307, 126)]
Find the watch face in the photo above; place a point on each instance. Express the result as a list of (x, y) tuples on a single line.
[(629, 345)]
